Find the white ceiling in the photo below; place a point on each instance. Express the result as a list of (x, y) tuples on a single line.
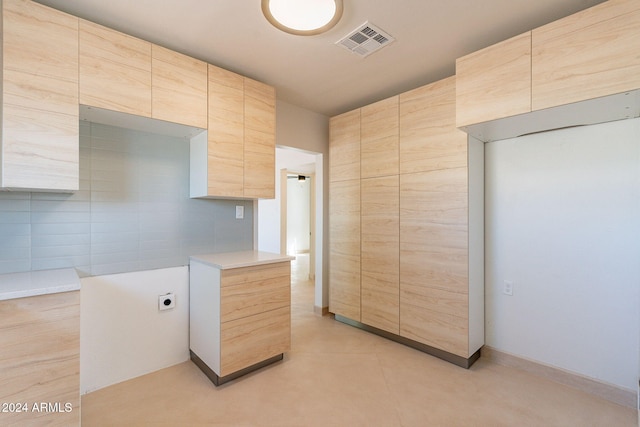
[(311, 71)]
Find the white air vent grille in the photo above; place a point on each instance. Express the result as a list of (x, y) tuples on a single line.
[(365, 40)]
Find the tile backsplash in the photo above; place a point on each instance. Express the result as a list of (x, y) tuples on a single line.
[(132, 212)]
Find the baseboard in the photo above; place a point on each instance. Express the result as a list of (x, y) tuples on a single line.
[(441, 354), (607, 391), (320, 311)]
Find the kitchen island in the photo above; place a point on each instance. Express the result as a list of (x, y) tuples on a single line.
[(240, 312)]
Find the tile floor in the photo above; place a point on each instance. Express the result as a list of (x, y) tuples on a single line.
[(336, 375)]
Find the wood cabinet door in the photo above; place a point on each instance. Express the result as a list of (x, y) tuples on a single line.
[(259, 140), (249, 291), (434, 259), (380, 253), (250, 340), (494, 82), (379, 136), (226, 133), (178, 88), (344, 146), (40, 120), (587, 55), (115, 70), (429, 139), (40, 357), (344, 248)]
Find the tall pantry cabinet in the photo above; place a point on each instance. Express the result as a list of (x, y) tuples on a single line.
[(413, 267)]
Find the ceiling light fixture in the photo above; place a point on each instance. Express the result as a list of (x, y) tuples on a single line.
[(302, 18)]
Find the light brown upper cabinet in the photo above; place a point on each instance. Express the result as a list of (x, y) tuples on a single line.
[(344, 146), (379, 138), (40, 114), (178, 88), (587, 55), (580, 70), (115, 70), (429, 139), (238, 159), (259, 140), (494, 82)]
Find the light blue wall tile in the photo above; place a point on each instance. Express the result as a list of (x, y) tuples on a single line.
[(132, 212)]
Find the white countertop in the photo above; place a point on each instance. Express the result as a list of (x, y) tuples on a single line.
[(228, 260), (32, 283)]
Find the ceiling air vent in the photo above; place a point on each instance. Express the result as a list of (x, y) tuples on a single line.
[(365, 40)]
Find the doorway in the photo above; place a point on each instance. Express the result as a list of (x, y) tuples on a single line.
[(298, 216), (272, 218)]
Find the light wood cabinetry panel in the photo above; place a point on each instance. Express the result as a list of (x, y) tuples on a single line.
[(241, 143), (178, 88), (429, 139), (406, 254), (40, 115), (40, 357), (494, 82), (250, 340), (587, 55), (434, 268), (226, 134), (260, 140), (379, 138), (344, 146), (115, 70), (344, 248), (261, 289), (380, 253)]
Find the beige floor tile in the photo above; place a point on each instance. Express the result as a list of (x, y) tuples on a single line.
[(336, 375)]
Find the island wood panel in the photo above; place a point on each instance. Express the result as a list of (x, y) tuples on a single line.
[(434, 258), (260, 139), (429, 139), (115, 70), (589, 54), (344, 248), (178, 88), (344, 146), (255, 296), (40, 357), (253, 339), (238, 276), (494, 82), (379, 136), (380, 286), (226, 134), (40, 98)]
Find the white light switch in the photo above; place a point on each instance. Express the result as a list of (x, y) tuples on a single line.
[(239, 212)]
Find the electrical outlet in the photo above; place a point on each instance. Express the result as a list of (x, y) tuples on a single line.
[(507, 288), (239, 212), (166, 301)]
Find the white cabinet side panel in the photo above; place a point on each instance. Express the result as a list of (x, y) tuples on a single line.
[(204, 304)]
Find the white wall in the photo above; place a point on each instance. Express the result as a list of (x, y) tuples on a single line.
[(123, 334), (298, 214), (563, 223)]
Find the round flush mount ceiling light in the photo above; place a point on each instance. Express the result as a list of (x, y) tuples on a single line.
[(303, 17)]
